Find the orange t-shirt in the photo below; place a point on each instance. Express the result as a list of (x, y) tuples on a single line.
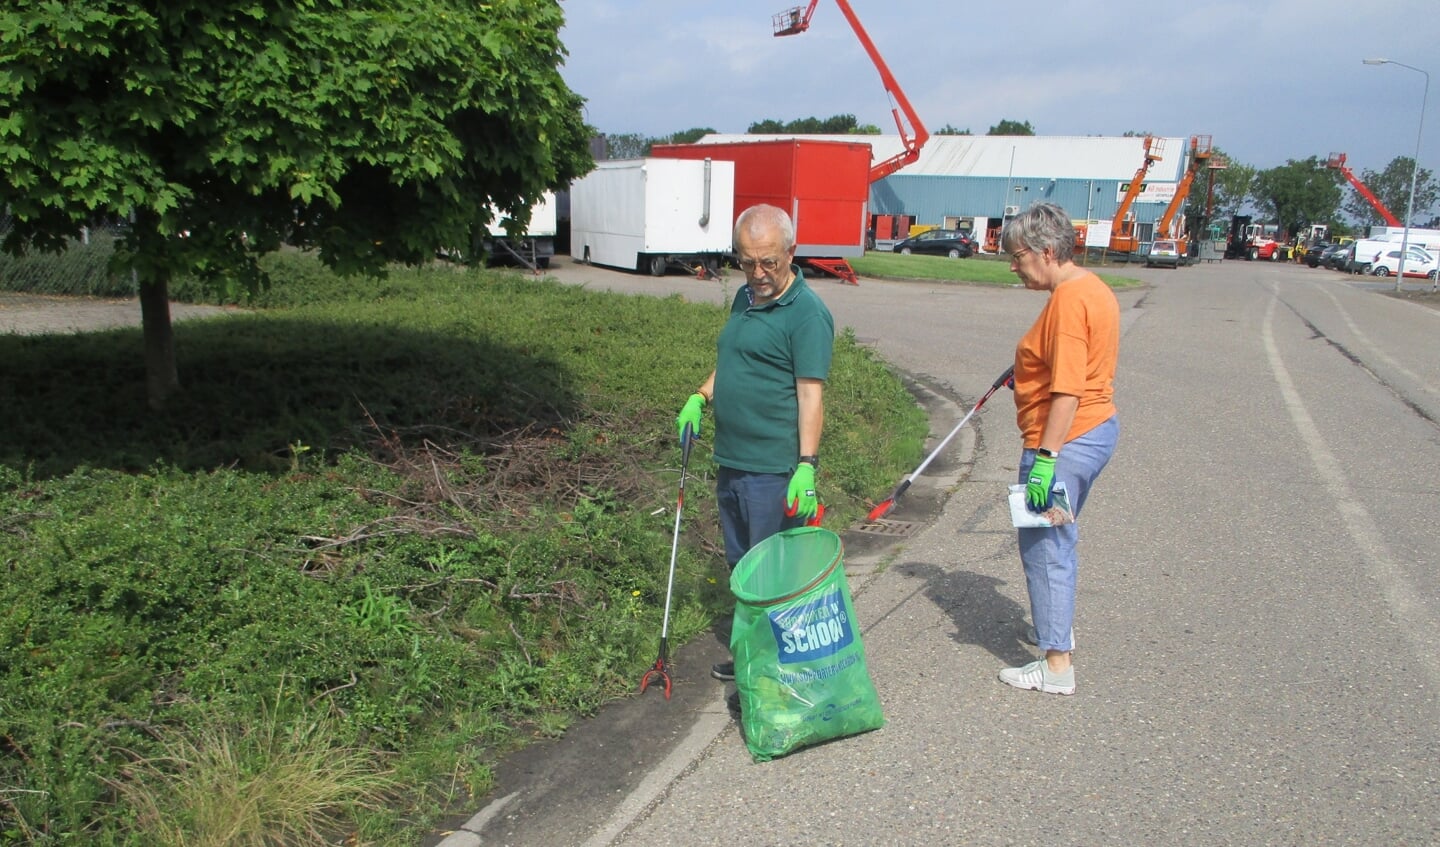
[(1071, 349)]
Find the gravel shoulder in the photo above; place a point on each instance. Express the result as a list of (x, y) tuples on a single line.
[(41, 314)]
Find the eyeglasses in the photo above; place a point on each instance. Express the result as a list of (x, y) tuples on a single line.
[(767, 265)]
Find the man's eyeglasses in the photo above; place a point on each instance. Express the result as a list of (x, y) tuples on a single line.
[(767, 265)]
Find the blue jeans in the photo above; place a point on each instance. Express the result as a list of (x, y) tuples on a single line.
[(752, 508), (1048, 553)]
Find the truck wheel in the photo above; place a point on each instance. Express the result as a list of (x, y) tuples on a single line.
[(658, 265), (1253, 254)]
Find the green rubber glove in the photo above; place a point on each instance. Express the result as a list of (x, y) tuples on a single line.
[(1042, 478), (690, 416), (800, 499)]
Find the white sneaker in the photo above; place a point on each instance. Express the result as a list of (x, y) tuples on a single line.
[(1038, 676)]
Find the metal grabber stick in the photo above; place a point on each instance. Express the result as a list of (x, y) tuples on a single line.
[(661, 669), (888, 503)]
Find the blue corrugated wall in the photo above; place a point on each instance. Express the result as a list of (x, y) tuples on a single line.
[(931, 198)]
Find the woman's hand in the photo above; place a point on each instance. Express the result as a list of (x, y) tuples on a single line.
[(1042, 478)]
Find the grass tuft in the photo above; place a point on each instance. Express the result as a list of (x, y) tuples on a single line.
[(276, 782)]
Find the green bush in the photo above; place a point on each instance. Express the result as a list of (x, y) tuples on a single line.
[(82, 269)]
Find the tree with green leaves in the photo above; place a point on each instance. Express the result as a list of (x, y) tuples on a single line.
[(690, 136), (1298, 193), (1231, 192), (628, 145), (1234, 188), (1392, 187), (1009, 127), (834, 125), (375, 132), (948, 129)]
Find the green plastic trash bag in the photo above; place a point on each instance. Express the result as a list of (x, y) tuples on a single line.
[(799, 664)]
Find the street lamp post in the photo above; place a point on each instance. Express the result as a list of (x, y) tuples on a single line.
[(1414, 172)]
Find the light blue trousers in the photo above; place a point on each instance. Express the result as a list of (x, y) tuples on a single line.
[(1048, 553)]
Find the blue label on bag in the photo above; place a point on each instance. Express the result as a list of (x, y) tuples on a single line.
[(814, 630)]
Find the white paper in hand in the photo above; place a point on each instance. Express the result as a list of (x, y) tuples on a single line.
[(1058, 514)]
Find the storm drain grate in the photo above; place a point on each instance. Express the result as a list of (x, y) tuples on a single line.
[(887, 527)]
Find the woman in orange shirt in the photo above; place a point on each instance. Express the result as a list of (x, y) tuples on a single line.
[(1064, 389)]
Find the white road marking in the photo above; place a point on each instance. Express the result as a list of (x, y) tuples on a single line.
[(1390, 362), (1395, 586)]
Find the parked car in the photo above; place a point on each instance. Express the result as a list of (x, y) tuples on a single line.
[(1314, 252), (1351, 262), (1163, 254), (1336, 259), (1326, 257), (938, 242), (1417, 263)]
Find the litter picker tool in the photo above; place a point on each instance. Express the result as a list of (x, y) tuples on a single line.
[(661, 669), (888, 503)]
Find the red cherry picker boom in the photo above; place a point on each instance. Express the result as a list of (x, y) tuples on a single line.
[(1337, 161), (913, 134)]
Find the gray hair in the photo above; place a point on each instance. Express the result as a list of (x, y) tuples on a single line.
[(756, 220), (1043, 226)]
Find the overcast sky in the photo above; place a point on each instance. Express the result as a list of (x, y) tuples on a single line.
[(1269, 81)]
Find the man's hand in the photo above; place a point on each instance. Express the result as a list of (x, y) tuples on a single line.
[(1042, 477), (690, 416), (800, 498)]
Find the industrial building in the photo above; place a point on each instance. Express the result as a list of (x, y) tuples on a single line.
[(973, 181)]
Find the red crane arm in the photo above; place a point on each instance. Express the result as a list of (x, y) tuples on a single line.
[(1337, 161), (912, 132)]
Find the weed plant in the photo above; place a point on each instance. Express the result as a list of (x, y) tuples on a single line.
[(389, 530)]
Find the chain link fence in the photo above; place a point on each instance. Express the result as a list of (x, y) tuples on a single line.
[(82, 268)]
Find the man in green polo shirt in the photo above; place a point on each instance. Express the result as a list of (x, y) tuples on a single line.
[(766, 392)]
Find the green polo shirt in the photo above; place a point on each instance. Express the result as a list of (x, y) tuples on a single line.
[(761, 352)]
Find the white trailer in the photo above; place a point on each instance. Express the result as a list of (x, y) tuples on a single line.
[(535, 245), (1427, 238), (651, 214)]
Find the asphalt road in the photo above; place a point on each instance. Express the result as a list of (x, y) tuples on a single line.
[(1256, 626)]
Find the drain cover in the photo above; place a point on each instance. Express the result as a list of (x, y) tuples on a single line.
[(887, 527)]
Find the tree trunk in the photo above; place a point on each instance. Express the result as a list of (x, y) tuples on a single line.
[(161, 378)]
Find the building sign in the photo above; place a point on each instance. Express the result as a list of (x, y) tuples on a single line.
[(1097, 234), (1150, 192)]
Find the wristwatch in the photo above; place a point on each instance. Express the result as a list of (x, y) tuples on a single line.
[(812, 461)]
